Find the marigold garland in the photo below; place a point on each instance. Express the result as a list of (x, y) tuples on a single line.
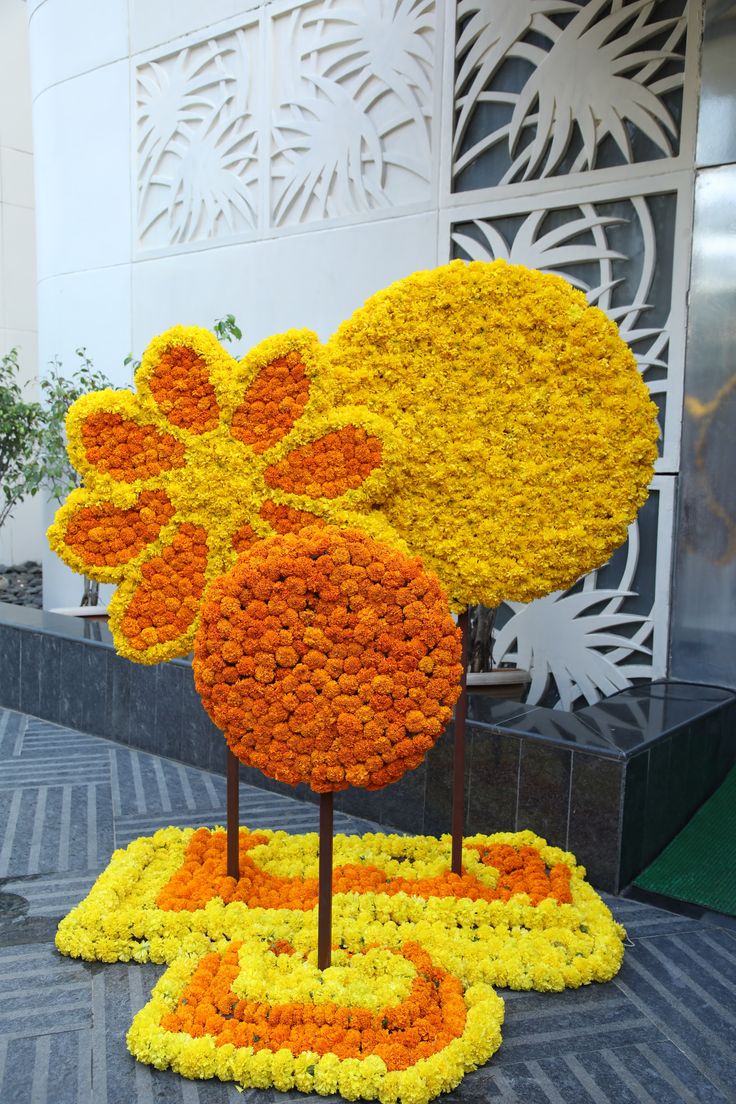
[(328, 658), (503, 940), (203, 876), (530, 434), (378, 1024), (206, 458)]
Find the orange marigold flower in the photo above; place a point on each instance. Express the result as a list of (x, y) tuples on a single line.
[(322, 618), (203, 876)]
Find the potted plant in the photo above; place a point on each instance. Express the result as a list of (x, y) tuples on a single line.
[(510, 683), (20, 437)]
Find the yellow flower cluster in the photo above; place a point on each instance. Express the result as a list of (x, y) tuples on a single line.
[(530, 434), (510, 943), (463, 1033), (206, 457)]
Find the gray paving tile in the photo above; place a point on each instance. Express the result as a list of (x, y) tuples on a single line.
[(646, 921), (12, 728), (664, 1031), (48, 1069), (51, 895), (41, 993), (548, 1024), (671, 980), (55, 827)]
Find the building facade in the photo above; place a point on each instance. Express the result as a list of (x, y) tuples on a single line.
[(281, 161)]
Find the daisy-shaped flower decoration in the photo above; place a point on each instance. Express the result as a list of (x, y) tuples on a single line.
[(205, 458)]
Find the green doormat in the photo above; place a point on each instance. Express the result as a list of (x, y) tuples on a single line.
[(698, 865)]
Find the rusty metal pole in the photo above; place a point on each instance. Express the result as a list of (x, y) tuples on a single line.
[(458, 779), (233, 816), (324, 911)]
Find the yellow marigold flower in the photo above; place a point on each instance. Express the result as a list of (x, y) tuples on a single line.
[(206, 457), (530, 436)]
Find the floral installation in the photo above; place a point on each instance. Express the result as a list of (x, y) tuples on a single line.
[(530, 435), (378, 1024), (207, 457), (483, 927), (328, 658), (480, 416)]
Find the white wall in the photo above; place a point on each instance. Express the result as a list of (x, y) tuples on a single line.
[(21, 537), (198, 159)]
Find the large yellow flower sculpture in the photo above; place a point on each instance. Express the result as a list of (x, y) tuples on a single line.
[(207, 457), (530, 434), (502, 432)]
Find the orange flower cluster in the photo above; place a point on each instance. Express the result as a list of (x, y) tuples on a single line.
[(523, 870), (425, 1022), (127, 450), (274, 402), (338, 462), (282, 519), (107, 535), (181, 386), (287, 519), (328, 658), (203, 876), (166, 600)]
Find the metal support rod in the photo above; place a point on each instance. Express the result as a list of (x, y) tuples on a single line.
[(324, 914), (458, 779), (233, 816)]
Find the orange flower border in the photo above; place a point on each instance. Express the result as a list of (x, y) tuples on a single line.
[(198, 1023), (507, 940), (504, 872), (328, 658)]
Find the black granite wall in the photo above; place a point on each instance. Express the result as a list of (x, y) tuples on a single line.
[(613, 783)]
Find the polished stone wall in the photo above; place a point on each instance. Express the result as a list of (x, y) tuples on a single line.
[(613, 782)]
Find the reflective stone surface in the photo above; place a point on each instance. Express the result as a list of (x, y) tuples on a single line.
[(717, 116), (703, 620), (613, 782)]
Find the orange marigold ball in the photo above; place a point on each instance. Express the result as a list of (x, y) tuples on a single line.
[(328, 658)]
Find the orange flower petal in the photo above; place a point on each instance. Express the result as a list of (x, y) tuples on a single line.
[(272, 403), (126, 450), (181, 386), (106, 535), (338, 462), (285, 519), (244, 538), (166, 601)]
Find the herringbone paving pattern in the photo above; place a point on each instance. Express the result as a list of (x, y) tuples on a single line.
[(663, 1031)]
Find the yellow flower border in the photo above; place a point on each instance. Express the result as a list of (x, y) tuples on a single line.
[(353, 1078), (509, 944)]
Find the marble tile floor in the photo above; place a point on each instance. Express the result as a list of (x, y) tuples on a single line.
[(663, 1031)]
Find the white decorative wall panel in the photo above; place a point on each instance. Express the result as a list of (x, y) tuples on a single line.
[(353, 103), (552, 87), (315, 111), (607, 631), (562, 110), (198, 142)]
